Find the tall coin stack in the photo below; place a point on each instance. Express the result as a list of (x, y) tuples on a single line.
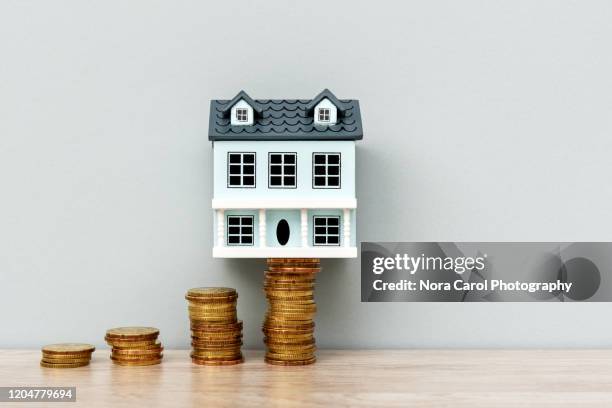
[(289, 326), (134, 346), (216, 332)]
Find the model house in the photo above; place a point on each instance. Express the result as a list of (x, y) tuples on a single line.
[(284, 176)]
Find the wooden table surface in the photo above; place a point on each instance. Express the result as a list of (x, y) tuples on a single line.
[(419, 378)]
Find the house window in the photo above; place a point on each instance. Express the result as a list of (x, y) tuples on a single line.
[(326, 170), (239, 230), (326, 231), (242, 114), (323, 114), (282, 170), (241, 169)]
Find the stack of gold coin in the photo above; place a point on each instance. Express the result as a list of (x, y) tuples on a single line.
[(216, 332), (289, 326), (66, 355), (134, 346)]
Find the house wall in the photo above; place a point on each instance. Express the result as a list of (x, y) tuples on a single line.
[(304, 150)]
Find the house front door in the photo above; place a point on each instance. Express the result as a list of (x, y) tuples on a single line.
[(283, 228)]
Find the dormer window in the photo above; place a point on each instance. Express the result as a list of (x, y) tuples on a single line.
[(242, 114), (323, 114)]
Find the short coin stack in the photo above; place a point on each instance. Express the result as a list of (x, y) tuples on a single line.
[(134, 346), (289, 326), (66, 355), (216, 332)]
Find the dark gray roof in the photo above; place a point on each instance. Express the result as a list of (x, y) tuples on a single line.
[(285, 119)]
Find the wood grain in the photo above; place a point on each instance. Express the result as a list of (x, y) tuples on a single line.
[(418, 378)]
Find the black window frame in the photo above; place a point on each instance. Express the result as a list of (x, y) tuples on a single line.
[(326, 166), (282, 164), (324, 112), (240, 234), (246, 114), (327, 226), (241, 175)]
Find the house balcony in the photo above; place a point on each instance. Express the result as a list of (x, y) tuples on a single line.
[(285, 228)]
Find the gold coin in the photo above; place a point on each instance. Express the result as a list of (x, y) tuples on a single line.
[(200, 320), (212, 305), (217, 326), (132, 333), (77, 356), (198, 352), (65, 360), (133, 359), (291, 300), (213, 362), (289, 292), (63, 365), (219, 315), (68, 348), (289, 347), (282, 317), (216, 347), (217, 305), (288, 357), (273, 318), (137, 346), (301, 268), (212, 292), (206, 354), (295, 284), (297, 263), (284, 342), (304, 300), (222, 348), (288, 325), (136, 358), (211, 301), (224, 309), (217, 341), (290, 260), (229, 318), (221, 358), (215, 334), (136, 352), (290, 363), (289, 280), (284, 308), (289, 340), (137, 363), (204, 336), (283, 314), (283, 338), (280, 296)]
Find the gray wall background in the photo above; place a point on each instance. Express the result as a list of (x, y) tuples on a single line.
[(484, 121)]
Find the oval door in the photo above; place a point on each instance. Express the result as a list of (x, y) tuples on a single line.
[(282, 232)]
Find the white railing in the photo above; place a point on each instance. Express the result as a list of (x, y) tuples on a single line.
[(262, 231)]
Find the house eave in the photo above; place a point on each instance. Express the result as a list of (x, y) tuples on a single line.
[(284, 252), (271, 203), (306, 136)]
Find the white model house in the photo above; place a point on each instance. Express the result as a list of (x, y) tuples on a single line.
[(284, 177)]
